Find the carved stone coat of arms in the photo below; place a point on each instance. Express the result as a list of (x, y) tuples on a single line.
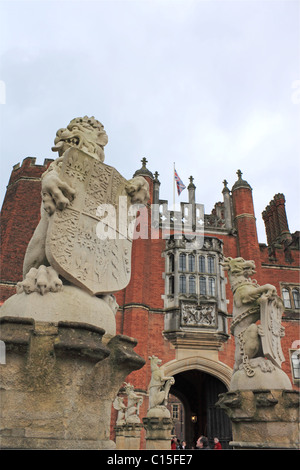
[(73, 246)]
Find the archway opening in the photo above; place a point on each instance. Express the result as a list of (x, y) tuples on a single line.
[(197, 393)]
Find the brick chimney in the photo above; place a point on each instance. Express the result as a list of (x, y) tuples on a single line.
[(275, 219)]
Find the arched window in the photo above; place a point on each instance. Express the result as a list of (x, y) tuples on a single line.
[(296, 298), (182, 284), (201, 264), (202, 285), (182, 262), (211, 286), (192, 285), (211, 264), (171, 285), (191, 263), (286, 298), (171, 263)]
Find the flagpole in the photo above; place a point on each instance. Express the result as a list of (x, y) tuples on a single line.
[(174, 187)]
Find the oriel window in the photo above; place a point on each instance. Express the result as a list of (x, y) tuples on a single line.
[(182, 284), (171, 263), (202, 285), (182, 262), (192, 285), (211, 286), (191, 263), (201, 264), (211, 264)]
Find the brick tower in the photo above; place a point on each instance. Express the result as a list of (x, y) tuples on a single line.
[(245, 222)]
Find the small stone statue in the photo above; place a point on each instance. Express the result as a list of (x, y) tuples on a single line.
[(159, 388), (134, 402), (119, 405), (258, 353), (128, 414)]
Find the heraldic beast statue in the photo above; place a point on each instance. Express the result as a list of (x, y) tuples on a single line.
[(78, 191), (258, 353)]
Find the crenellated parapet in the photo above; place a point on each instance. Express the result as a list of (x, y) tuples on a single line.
[(28, 169)]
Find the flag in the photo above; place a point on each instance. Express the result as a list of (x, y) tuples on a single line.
[(179, 183)]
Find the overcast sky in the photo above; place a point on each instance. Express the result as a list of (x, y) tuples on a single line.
[(213, 86)]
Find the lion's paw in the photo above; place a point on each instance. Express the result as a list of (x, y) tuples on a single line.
[(42, 280)]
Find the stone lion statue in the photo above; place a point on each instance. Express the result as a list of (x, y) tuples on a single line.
[(248, 298), (88, 135)]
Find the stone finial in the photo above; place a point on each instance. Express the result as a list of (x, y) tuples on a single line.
[(240, 183), (191, 185), (144, 170), (225, 189), (156, 175)]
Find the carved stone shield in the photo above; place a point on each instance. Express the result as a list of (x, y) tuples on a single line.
[(73, 246), (272, 331)]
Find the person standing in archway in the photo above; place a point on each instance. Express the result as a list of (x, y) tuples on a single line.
[(217, 445)]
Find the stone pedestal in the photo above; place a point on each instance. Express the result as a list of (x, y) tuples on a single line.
[(158, 425), (128, 436), (263, 419), (59, 382)]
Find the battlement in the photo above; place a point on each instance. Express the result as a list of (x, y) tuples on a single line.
[(28, 169), (188, 218), (30, 162)]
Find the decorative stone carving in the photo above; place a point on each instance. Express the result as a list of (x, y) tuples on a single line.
[(198, 315), (159, 388), (73, 188), (128, 414), (120, 406), (134, 402), (258, 354), (158, 423)]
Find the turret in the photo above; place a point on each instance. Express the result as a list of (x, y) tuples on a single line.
[(245, 221)]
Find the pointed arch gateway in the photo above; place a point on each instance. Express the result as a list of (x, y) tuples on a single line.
[(198, 382), (215, 368)]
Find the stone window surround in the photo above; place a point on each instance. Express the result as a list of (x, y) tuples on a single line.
[(287, 290), (174, 277)]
